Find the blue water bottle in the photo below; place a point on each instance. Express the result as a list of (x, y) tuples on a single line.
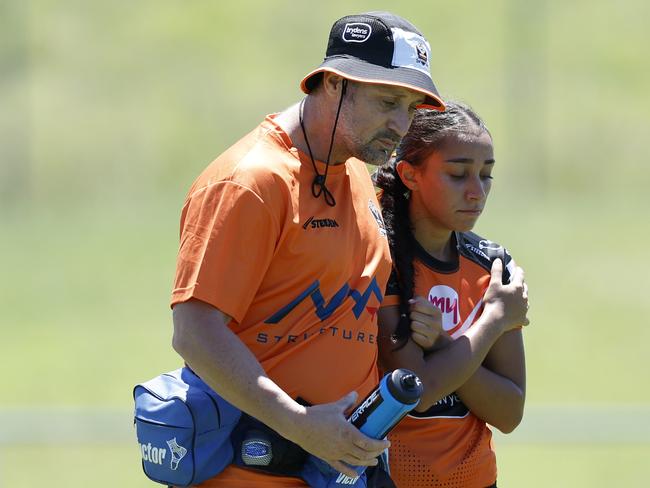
[(396, 395)]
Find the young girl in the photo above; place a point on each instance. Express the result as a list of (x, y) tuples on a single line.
[(433, 192)]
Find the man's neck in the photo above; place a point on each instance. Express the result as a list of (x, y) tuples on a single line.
[(317, 124)]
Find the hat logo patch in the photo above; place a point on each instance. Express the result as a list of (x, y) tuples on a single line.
[(422, 54), (357, 32)]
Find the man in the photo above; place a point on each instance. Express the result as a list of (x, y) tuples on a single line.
[(283, 256)]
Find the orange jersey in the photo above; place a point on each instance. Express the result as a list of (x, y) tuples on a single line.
[(447, 446), (301, 280)]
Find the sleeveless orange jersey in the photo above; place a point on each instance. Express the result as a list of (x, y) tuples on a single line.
[(301, 280), (447, 446)]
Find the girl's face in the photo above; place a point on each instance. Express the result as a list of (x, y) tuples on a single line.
[(450, 187)]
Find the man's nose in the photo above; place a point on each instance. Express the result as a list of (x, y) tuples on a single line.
[(400, 121)]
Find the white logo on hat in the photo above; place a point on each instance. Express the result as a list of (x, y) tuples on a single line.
[(411, 51), (423, 58), (356, 32)]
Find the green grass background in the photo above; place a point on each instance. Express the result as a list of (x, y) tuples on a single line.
[(109, 110)]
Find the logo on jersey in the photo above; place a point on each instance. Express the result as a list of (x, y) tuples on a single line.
[(488, 246), (476, 251), (450, 406), (357, 32), (325, 309), (377, 215), (312, 223), (446, 299)]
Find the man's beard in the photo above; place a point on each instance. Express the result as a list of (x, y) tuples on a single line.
[(376, 157)]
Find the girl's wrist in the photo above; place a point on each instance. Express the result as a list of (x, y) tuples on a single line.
[(494, 314)]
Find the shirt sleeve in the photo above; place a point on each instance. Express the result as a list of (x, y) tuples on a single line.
[(228, 237)]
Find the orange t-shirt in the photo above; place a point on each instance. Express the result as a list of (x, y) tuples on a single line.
[(447, 446), (302, 280)]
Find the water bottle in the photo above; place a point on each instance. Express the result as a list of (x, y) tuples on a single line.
[(396, 395)]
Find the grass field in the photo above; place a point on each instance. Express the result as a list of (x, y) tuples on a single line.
[(90, 319), (570, 466), (106, 118)]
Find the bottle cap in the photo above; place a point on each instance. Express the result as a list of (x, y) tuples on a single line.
[(405, 386)]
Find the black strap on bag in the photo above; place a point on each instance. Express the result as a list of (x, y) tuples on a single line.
[(260, 448)]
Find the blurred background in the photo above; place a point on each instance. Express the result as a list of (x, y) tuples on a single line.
[(109, 110)]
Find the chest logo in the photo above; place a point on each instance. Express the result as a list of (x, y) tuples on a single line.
[(312, 223), (446, 299)]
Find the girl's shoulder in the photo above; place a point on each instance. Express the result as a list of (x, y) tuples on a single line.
[(483, 252)]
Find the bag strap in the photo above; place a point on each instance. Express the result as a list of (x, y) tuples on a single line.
[(286, 458)]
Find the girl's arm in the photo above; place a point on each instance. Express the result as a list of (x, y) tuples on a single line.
[(496, 391), (446, 369)]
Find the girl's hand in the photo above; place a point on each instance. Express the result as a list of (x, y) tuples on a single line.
[(426, 323), (507, 303)]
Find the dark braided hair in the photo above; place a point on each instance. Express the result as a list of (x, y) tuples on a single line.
[(429, 127)]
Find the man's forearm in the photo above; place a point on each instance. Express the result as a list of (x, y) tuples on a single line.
[(217, 355)]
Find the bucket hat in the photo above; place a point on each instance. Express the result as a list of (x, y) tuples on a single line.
[(381, 48)]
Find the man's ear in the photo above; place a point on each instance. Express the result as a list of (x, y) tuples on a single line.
[(332, 83), (407, 173)]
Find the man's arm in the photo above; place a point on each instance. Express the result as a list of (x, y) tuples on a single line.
[(204, 340)]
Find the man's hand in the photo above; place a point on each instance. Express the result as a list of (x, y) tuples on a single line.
[(508, 304), (426, 323), (324, 431)]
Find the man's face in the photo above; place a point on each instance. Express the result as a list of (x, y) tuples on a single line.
[(373, 120)]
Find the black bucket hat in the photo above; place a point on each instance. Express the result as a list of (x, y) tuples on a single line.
[(381, 48)]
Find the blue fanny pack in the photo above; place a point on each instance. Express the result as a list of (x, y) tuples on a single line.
[(183, 428), (188, 434)]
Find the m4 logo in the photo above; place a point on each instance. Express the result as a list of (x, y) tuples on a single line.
[(325, 309)]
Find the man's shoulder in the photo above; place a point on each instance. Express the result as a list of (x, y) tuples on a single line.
[(255, 161)]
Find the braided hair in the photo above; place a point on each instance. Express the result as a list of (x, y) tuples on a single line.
[(427, 130)]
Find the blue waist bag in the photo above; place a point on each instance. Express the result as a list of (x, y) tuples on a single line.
[(183, 428), (188, 434)]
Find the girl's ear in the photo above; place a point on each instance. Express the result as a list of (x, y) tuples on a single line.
[(407, 173)]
